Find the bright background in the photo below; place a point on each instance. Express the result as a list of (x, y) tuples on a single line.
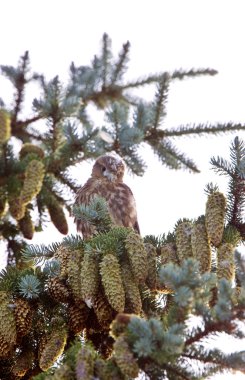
[(164, 35)]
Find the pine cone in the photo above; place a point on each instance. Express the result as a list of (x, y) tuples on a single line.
[(53, 349), (133, 302), (74, 274), (215, 217), (151, 279), (28, 148), (23, 317), (58, 217), (112, 282), (77, 317), (17, 208), (7, 326), (183, 240), (103, 310), (169, 254), (62, 254), (225, 262), (58, 290), (90, 278), (26, 226), (3, 202), (201, 248), (33, 181), (5, 126), (23, 363), (137, 256)]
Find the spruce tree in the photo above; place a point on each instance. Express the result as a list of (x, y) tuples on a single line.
[(117, 305)]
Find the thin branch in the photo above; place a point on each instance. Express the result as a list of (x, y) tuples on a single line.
[(181, 74), (121, 63), (201, 129)]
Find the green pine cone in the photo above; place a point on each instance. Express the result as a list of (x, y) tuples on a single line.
[(169, 254), (26, 226), (215, 217), (112, 282), (137, 255), (103, 310), (62, 254), (90, 278), (74, 274), (33, 181), (28, 148), (23, 363), (124, 358), (201, 248), (3, 202), (183, 239), (58, 289), (17, 208), (7, 326), (58, 217), (5, 126), (53, 348), (151, 279), (133, 302), (225, 262)]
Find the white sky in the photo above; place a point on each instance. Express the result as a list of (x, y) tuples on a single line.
[(164, 35)]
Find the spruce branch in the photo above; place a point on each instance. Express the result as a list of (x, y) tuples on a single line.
[(150, 79), (19, 79), (222, 166), (29, 286), (203, 129), (169, 155), (9, 279), (73, 242), (235, 169), (182, 74), (160, 100), (106, 57), (39, 253), (95, 214), (121, 64)]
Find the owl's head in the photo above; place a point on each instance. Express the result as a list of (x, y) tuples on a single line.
[(110, 167)]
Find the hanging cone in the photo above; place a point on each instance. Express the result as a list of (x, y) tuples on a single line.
[(53, 348), (112, 282), (137, 255), (5, 126), (215, 217), (7, 326), (183, 240)]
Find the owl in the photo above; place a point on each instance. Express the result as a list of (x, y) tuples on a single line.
[(107, 181)]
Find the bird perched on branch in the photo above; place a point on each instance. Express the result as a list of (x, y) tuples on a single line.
[(107, 181)]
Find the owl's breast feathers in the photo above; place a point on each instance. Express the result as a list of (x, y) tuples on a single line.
[(120, 200)]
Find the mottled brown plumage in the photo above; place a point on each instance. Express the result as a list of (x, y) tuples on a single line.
[(107, 181)]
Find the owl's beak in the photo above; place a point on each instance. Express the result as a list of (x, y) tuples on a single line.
[(109, 175)]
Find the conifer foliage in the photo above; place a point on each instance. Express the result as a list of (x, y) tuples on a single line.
[(117, 305), (38, 147)]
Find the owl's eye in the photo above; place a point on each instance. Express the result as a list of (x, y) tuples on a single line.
[(103, 169)]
